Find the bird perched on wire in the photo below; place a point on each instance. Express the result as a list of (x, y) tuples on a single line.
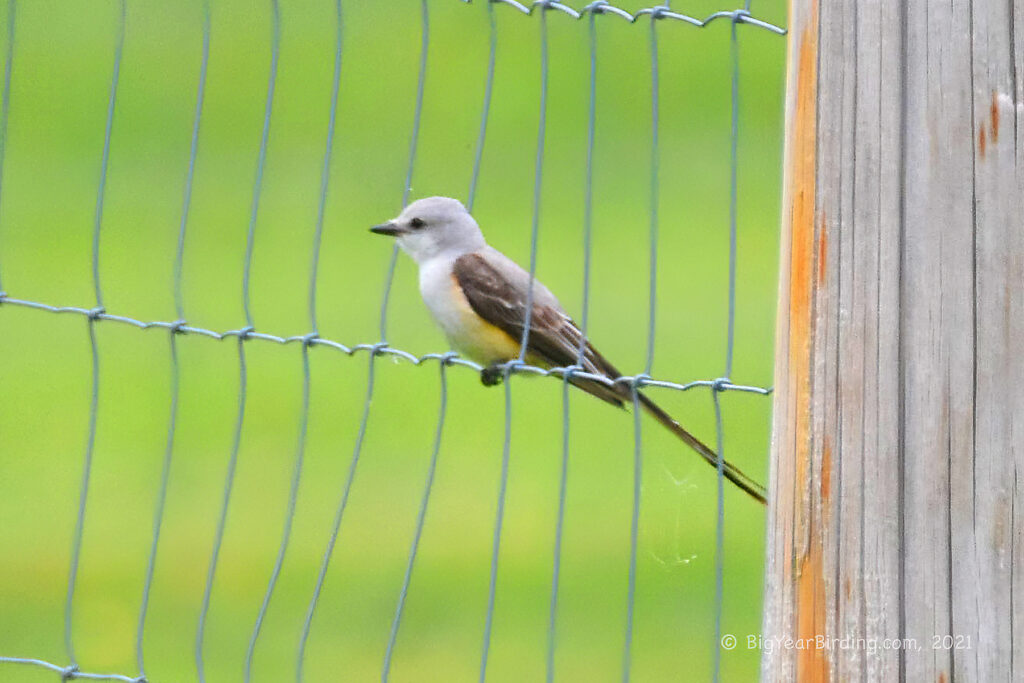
[(479, 297)]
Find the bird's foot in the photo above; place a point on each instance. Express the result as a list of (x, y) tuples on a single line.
[(492, 375)]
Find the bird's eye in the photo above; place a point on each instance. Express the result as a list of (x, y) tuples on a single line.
[(417, 223)]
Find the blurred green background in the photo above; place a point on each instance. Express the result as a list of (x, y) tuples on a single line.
[(62, 67)]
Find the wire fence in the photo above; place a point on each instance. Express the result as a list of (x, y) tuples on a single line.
[(373, 350)]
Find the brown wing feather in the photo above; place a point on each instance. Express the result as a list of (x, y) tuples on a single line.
[(554, 338)]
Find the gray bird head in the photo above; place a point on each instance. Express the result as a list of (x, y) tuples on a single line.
[(434, 226)]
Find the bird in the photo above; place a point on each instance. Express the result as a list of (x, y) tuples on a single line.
[(479, 298)]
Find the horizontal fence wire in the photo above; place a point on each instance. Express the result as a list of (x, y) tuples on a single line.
[(247, 334), (312, 339)]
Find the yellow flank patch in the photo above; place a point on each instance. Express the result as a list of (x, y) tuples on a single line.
[(477, 338)]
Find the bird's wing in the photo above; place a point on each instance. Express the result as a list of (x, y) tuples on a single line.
[(497, 288)]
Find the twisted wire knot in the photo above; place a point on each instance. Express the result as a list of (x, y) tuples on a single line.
[(243, 333), (739, 15), (570, 370), (658, 11), (511, 366), (638, 381)]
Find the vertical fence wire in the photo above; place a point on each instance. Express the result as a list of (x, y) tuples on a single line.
[(655, 187), (654, 183), (588, 187), (420, 520), (730, 343), (734, 104), (634, 533), (485, 110), (76, 543), (179, 304), (179, 297), (5, 101), (385, 299), (275, 48), (229, 479), (338, 515), (324, 182), (716, 646), (314, 268), (542, 121), (421, 82), (432, 467), (261, 161), (105, 159), (173, 348), (289, 517), (563, 479), (498, 519), (161, 499), (506, 448), (243, 373), (325, 175)]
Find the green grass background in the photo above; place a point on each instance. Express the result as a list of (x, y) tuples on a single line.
[(62, 66)]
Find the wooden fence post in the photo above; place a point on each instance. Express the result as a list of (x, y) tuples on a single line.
[(896, 521)]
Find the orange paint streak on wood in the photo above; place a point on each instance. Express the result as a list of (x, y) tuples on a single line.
[(981, 141), (994, 110), (802, 239), (811, 664)]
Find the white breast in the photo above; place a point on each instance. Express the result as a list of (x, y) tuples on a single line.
[(466, 331), (436, 288)]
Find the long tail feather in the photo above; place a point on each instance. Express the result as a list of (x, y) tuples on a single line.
[(731, 472)]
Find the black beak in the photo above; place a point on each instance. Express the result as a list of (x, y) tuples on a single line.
[(390, 228)]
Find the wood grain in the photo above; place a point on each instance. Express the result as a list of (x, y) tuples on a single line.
[(897, 475)]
